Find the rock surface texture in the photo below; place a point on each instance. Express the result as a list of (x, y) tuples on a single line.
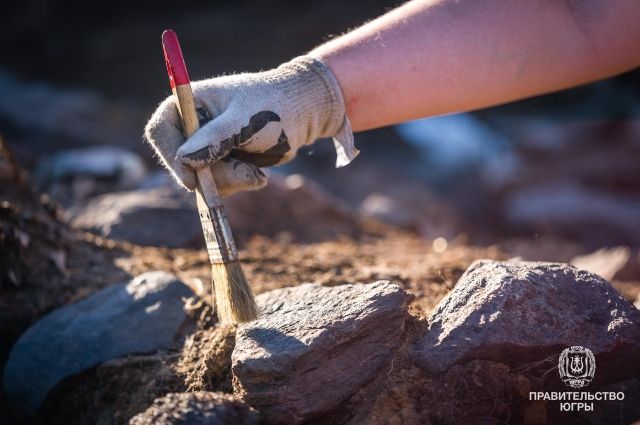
[(296, 208), (160, 216), (199, 408), (314, 347), (525, 312), (140, 316), (165, 215)]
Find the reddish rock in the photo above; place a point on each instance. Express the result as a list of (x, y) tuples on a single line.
[(161, 216), (314, 347), (167, 215), (199, 408), (526, 312)]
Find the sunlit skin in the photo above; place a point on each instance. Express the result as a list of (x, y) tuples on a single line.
[(429, 58)]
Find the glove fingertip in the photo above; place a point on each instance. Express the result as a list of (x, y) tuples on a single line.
[(185, 177)]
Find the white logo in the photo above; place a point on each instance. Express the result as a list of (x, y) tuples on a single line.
[(577, 366)]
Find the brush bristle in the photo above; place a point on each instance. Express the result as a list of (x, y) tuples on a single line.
[(234, 300)]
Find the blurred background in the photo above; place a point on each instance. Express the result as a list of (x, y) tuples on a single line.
[(549, 178)]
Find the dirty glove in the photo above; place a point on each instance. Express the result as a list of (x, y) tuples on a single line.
[(259, 119)]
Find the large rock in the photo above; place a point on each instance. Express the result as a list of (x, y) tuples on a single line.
[(141, 316), (294, 206), (314, 347), (165, 215), (411, 206), (160, 216), (198, 408), (520, 313), (114, 391), (594, 217)]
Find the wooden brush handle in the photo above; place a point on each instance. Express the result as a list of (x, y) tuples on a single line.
[(181, 87), (220, 243), (187, 109)]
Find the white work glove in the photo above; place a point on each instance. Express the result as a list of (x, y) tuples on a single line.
[(259, 119)]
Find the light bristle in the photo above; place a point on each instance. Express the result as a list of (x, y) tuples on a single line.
[(234, 300)]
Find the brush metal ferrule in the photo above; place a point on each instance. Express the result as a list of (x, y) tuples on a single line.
[(217, 234)]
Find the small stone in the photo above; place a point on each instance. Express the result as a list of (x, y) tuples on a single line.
[(314, 347), (141, 316), (524, 312), (198, 408)]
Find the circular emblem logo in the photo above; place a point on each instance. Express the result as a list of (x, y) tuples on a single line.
[(577, 366)]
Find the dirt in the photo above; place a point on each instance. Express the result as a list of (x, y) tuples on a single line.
[(113, 392), (43, 264), (117, 390), (400, 257), (205, 364), (47, 265)]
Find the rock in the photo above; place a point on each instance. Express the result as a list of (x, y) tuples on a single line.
[(291, 205), (140, 316), (72, 176), (482, 392), (43, 264), (314, 347), (574, 178), (384, 208), (198, 408), (519, 313), (631, 270), (101, 162), (162, 216), (114, 391), (542, 248), (414, 208), (625, 411), (594, 217), (605, 262), (165, 215)]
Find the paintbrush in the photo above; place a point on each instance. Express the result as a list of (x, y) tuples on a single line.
[(234, 299)]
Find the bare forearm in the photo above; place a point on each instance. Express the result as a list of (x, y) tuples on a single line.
[(434, 57)]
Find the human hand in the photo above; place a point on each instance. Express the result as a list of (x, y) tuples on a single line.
[(259, 120)]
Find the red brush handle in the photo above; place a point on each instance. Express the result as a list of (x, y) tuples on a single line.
[(220, 244), (176, 68), (179, 80)]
